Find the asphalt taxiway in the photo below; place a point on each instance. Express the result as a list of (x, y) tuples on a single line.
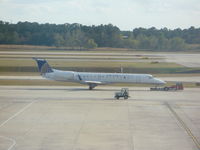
[(74, 118)]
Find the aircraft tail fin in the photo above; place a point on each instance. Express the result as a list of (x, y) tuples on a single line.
[(43, 66)]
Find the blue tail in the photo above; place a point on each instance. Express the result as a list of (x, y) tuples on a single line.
[(43, 66)]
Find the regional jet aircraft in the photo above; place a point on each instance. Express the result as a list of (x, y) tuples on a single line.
[(93, 79)]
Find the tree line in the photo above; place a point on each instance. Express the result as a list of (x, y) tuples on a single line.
[(87, 37)]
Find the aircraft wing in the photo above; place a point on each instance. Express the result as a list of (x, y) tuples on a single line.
[(93, 82)]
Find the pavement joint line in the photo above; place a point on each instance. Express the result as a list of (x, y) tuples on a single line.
[(12, 117), (9, 139), (16, 114), (187, 129)]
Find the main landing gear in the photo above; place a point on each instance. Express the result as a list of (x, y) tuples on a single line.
[(92, 86)]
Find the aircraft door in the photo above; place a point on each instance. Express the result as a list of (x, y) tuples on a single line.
[(77, 77)]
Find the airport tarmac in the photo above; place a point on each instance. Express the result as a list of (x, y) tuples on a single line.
[(74, 118)]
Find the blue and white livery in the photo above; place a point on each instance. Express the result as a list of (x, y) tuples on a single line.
[(94, 79)]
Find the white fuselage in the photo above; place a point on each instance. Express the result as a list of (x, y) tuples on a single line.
[(101, 78)]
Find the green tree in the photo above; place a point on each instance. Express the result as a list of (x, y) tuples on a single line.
[(91, 44), (130, 43), (79, 38), (144, 42), (77, 35), (58, 40), (177, 43), (163, 43), (153, 42)]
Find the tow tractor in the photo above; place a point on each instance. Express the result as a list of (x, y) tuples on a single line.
[(177, 86), (123, 93)]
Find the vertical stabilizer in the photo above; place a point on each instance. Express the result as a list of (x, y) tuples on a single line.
[(43, 66)]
